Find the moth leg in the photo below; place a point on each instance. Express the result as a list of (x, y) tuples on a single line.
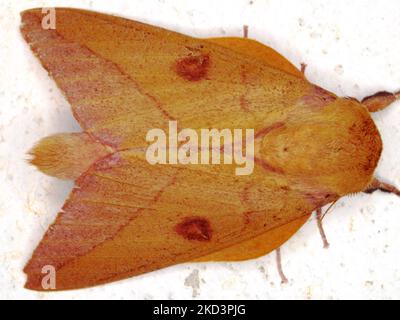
[(380, 100), (245, 31), (381, 186), (321, 228), (303, 68), (279, 266)]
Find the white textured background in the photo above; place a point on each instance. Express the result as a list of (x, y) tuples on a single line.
[(351, 47)]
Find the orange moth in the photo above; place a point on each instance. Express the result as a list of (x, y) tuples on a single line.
[(126, 216)]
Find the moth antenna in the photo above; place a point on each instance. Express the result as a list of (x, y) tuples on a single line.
[(380, 100), (279, 266), (245, 31), (381, 186), (321, 228)]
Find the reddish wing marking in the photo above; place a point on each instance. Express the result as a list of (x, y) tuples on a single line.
[(195, 228)]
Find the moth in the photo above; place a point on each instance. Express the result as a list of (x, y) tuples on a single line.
[(125, 216)]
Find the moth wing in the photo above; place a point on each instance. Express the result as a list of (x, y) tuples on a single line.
[(126, 217), (269, 241), (258, 246), (123, 77), (260, 52), (99, 91)]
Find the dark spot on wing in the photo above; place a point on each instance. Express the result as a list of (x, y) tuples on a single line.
[(195, 228), (193, 67)]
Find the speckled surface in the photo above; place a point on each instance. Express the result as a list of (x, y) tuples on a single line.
[(351, 48)]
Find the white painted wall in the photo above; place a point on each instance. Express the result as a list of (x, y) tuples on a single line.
[(351, 48)]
